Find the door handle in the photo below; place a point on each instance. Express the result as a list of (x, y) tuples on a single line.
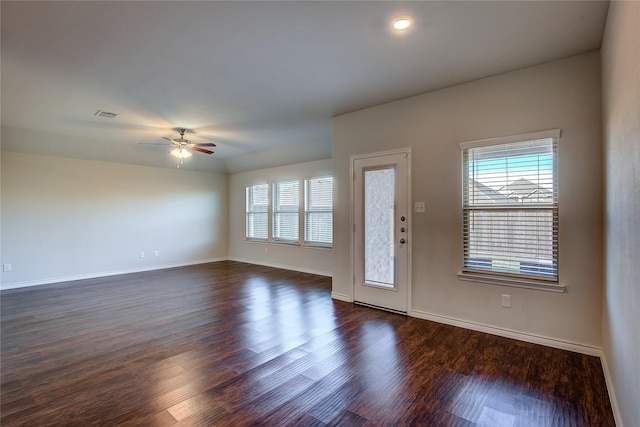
[(402, 241)]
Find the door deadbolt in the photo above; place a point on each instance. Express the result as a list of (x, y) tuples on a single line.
[(402, 241)]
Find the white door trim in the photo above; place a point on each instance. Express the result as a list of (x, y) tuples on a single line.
[(352, 171)]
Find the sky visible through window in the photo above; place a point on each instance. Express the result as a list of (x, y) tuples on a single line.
[(498, 172)]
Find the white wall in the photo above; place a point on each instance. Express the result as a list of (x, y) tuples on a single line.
[(70, 218), (282, 155), (300, 258), (621, 120), (561, 94)]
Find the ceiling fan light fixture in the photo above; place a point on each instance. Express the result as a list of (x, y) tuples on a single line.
[(181, 153)]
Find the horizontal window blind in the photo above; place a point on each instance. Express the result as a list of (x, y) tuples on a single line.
[(318, 205), (510, 208), (286, 202), (257, 211)]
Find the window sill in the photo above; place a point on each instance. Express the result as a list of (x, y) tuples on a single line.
[(285, 242), (512, 281), (288, 243), (316, 246), (255, 240)]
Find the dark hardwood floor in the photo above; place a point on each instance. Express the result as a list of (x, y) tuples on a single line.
[(235, 344)]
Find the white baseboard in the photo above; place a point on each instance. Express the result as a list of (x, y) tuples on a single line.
[(507, 333), (341, 297), (283, 266), (617, 416), (104, 274)]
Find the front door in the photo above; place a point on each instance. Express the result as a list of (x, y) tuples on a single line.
[(380, 243)]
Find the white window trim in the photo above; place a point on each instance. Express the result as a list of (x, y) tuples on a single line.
[(272, 213), (300, 242), (542, 134), (516, 282), (246, 211), (505, 279), (311, 243)]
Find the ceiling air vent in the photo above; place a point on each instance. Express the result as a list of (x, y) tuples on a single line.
[(106, 114)]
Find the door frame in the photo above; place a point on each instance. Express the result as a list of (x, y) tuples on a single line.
[(352, 240)]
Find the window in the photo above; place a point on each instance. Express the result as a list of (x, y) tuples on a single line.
[(257, 206), (286, 202), (282, 220), (318, 206), (510, 208)]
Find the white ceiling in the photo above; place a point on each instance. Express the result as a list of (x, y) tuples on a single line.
[(252, 76)]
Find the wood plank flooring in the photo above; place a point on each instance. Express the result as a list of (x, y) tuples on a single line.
[(233, 344)]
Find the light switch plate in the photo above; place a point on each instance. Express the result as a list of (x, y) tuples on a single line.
[(419, 207)]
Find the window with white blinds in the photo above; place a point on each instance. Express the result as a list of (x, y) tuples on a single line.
[(257, 209), (510, 206), (286, 202), (318, 205)]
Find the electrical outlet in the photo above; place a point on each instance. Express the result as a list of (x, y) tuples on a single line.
[(266, 249), (506, 300), (141, 254), (6, 267), (156, 253)]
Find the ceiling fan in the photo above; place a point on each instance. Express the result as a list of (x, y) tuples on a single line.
[(182, 147)]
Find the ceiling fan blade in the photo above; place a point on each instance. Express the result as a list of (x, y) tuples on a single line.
[(202, 150), (154, 143), (173, 141), (205, 144)]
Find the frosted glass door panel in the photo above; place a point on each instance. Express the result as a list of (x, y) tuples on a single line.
[(379, 203)]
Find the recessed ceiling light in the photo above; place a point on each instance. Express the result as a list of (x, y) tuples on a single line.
[(401, 24)]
